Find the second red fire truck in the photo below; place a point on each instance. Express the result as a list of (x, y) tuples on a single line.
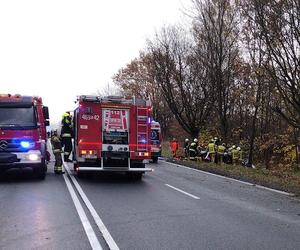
[(156, 139), (112, 134), (23, 138)]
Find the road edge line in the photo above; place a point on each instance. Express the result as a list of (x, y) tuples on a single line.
[(105, 233), (95, 244), (232, 179)]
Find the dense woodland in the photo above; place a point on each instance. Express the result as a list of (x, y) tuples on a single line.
[(233, 72)]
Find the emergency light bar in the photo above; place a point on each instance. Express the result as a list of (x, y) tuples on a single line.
[(114, 99)]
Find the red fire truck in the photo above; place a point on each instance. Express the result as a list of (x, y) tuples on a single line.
[(156, 139), (112, 134), (23, 121)]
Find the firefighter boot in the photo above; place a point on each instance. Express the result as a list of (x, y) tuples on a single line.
[(59, 170), (66, 158), (56, 169)]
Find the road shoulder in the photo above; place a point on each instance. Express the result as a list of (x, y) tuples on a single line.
[(256, 177)]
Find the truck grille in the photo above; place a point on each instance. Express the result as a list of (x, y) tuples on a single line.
[(11, 146)]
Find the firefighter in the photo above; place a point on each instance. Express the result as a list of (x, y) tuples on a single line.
[(174, 147), (193, 149), (220, 152), (57, 150), (212, 150), (66, 135), (186, 146), (235, 155)]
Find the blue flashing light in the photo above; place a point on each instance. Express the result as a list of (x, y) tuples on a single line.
[(25, 144)]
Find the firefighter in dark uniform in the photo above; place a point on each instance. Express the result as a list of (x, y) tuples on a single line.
[(66, 135), (193, 149), (57, 150), (186, 146)]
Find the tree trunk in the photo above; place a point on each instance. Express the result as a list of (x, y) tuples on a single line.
[(252, 137), (296, 135)]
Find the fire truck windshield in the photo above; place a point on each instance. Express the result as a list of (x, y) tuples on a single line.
[(17, 117)]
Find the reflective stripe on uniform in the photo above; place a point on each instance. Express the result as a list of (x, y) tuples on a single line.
[(66, 153), (66, 135), (57, 168), (56, 150)]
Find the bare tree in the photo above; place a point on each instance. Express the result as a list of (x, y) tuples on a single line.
[(279, 22), (182, 78), (109, 89), (138, 79), (216, 28), (257, 59)]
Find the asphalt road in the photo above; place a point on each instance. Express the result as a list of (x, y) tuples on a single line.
[(171, 208)]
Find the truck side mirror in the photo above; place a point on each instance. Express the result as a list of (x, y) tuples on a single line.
[(47, 123), (46, 113)]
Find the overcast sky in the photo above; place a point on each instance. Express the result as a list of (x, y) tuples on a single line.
[(59, 49)]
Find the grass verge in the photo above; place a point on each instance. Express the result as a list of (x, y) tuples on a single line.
[(281, 178), (288, 181)]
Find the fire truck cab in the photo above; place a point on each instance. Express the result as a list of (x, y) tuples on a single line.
[(112, 134), (23, 137), (156, 139)]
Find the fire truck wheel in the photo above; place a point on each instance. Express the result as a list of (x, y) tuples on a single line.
[(81, 174), (40, 174), (135, 176), (138, 176), (154, 159)]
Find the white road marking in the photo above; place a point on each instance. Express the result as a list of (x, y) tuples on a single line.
[(228, 178), (181, 191), (106, 235), (84, 220)]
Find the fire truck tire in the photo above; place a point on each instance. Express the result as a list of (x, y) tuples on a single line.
[(81, 174), (138, 176), (75, 166), (41, 171), (155, 159), (135, 176), (41, 175)]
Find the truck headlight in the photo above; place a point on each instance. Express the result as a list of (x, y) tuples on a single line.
[(33, 157)]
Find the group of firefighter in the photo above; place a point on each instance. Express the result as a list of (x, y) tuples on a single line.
[(215, 151), (63, 143)]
